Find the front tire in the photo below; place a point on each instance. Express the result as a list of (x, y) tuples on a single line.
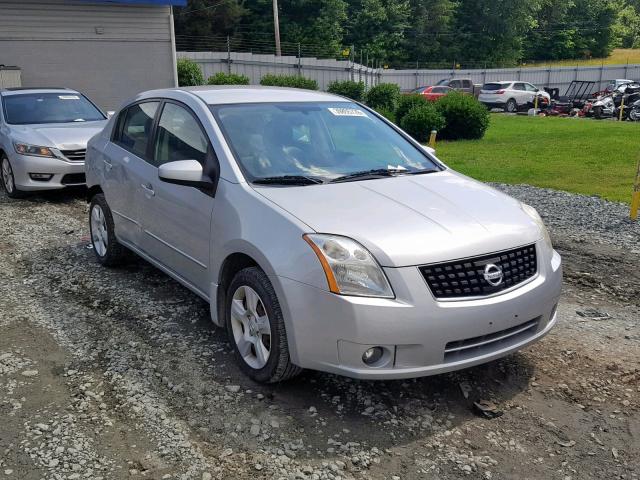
[(105, 246), (597, 113), (256, 329), (8, 179)]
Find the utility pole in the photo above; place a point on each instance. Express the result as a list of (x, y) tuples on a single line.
[(276, 27)]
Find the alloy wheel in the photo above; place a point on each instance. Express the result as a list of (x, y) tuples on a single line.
[(7, 175), (250, 326), (99, 234), (512, 106)]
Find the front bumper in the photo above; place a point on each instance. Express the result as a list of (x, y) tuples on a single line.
[(330, 333), (64, 173)]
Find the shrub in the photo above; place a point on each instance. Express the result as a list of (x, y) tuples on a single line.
[(294, 81), (407, 102), (222, 78), (466, 117), (189, 73), (420, 120), (388, 114), (385, 96), (348, 88)]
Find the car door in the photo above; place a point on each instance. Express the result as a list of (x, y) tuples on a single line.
[(125, 157), (532, 91), (177, 219), (520, 93)]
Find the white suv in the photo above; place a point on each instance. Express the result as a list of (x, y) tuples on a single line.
[(511, 96)]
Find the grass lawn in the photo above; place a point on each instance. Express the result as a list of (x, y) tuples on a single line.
[(620, 56), (577, 155)]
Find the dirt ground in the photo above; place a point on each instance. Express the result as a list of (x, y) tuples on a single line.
[(118, 374)]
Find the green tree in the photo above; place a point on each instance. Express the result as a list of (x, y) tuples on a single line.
[(430, 37), (626, 30), (378, 27), (318, 25), (492, 31), (203, 24)]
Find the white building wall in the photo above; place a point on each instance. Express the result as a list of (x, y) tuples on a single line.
[(108, 51)]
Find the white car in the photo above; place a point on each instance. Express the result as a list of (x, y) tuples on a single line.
[(511, 96), (322, 236)]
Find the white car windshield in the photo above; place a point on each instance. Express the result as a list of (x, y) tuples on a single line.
[(320, 142), (58, 107)]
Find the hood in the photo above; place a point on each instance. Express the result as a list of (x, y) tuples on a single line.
[(412, 220), (63, 136)]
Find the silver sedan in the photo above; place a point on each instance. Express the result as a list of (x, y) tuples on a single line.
[(43, 138), (322, 236)]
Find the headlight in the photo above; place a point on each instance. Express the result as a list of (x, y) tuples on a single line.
[(535, 216), (25, 149), (349, 267)]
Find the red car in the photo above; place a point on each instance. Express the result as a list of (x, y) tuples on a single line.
[(432, 93)]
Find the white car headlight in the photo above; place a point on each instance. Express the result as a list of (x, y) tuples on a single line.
[(349, 267), (33, 150), (535, 216)]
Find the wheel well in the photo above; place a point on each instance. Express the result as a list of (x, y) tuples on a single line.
[(232, 265), (93, 191)]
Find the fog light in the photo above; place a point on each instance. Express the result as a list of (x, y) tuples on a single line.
[(41, 177), (372, 355)]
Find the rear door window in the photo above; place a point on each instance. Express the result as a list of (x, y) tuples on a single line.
[(134, 127), (518, 86)]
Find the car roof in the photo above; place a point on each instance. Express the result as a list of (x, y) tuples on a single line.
[(227, 94), (26, 90)]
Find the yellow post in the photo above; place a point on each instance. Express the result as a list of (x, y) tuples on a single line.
[(535, 105), (432, 139), (621, 108), (635, 199)]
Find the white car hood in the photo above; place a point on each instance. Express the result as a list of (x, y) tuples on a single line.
[(63, 136), (412, 220)]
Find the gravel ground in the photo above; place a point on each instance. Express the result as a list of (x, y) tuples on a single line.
[(118, 374)]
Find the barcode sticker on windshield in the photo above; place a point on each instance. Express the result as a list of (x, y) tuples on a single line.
[(68, 97), (347, 112)]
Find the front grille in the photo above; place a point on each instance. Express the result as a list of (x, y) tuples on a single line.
[(466, 277), (477, 346), (73, 179), (74, 155)]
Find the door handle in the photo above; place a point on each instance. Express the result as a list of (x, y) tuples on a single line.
[(148, 188), (107, 165)]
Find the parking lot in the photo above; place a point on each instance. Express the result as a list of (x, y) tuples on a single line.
[(120, 374)]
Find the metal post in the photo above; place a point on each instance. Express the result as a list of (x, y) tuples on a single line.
[(635, 199), (276, 27), (626, 68), (353, 60), (228, 55), (299, 60)]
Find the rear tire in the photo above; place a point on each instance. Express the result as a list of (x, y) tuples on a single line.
[(634, 115), (8, 180), (511, 106), (105, 246), (256, 329)]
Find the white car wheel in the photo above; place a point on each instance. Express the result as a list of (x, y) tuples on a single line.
[(251, 327), (99, 234), (9, 179)]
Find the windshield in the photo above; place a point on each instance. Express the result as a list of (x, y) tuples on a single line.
[(321, 141), (59, 107)]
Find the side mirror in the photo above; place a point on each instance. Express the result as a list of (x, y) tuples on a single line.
[(110, 113), (186, 172)]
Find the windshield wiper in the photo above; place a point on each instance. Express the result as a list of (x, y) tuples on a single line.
[(288, 180), (375, 173), (421, 172)]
